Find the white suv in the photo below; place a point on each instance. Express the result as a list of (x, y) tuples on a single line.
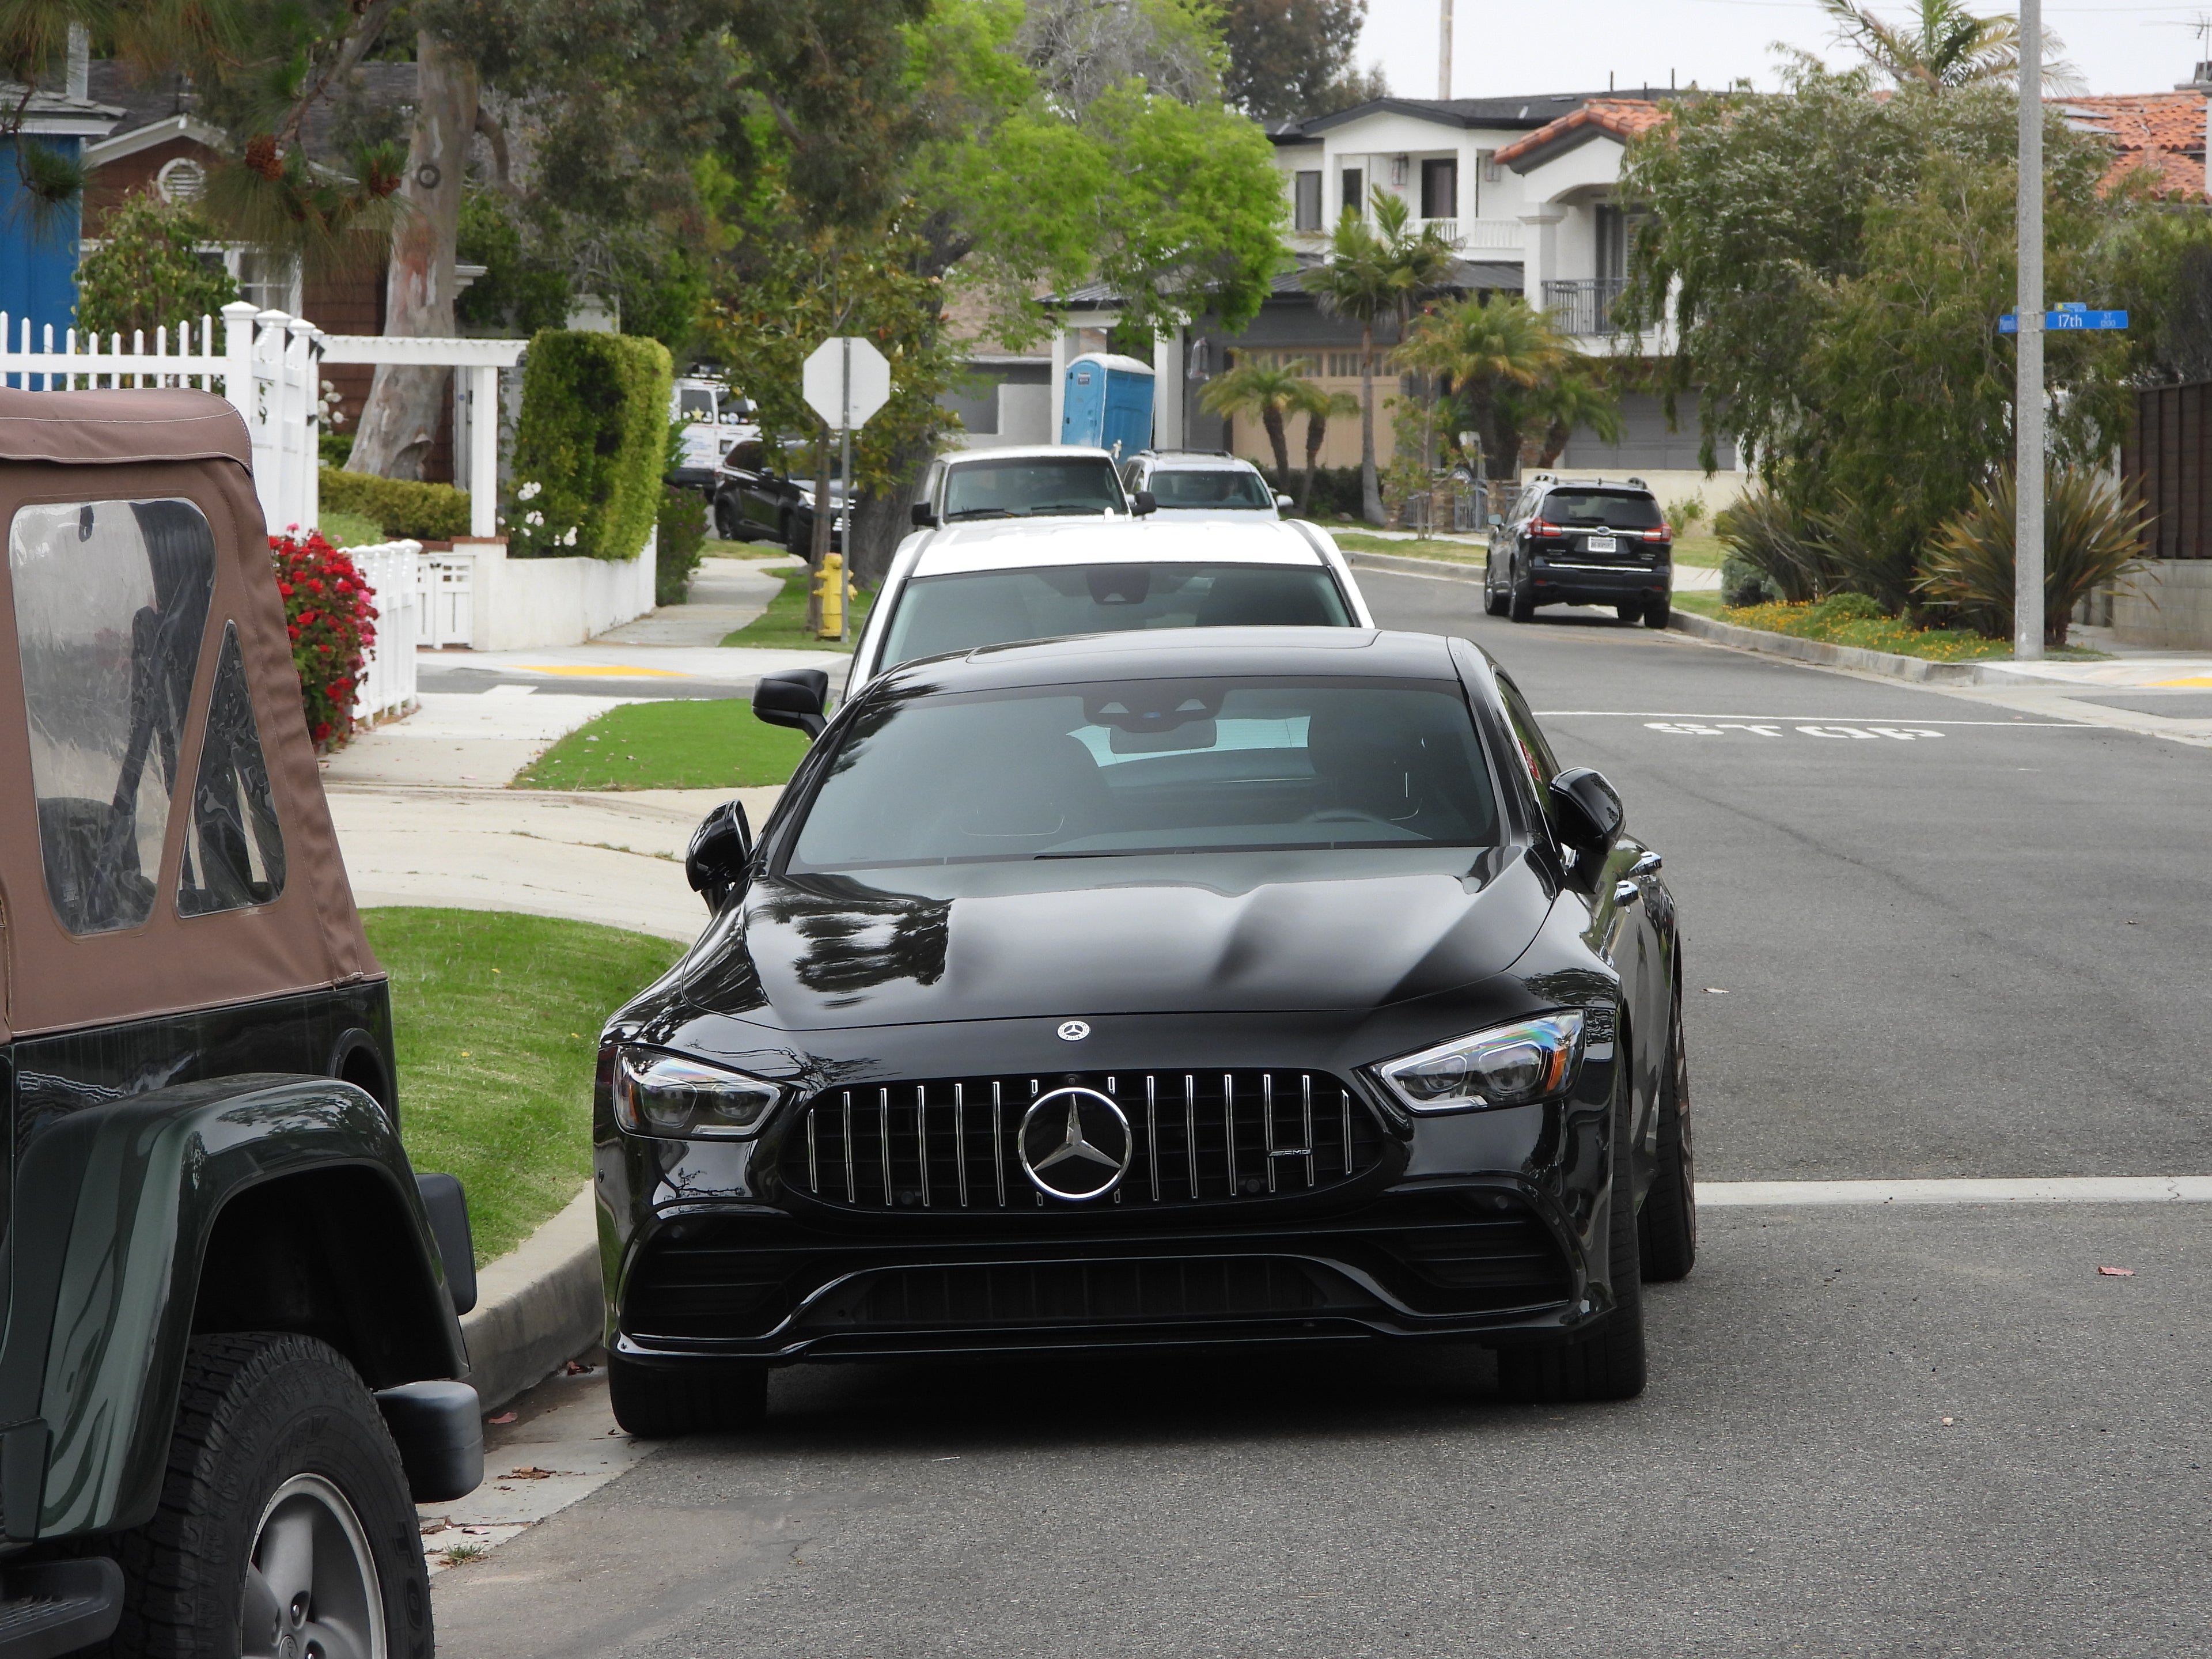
[(1201, 483)]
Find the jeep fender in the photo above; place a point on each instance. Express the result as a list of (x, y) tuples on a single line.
[(139, 1188)]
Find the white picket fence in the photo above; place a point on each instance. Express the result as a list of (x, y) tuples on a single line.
[(269, 365), (393, 571)]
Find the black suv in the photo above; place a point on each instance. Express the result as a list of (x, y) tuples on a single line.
[(1581, 541)]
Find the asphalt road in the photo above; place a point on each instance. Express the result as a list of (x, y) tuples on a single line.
[(1969, 953)]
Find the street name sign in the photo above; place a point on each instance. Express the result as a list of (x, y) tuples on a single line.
[(845, 381), (2066, 319)]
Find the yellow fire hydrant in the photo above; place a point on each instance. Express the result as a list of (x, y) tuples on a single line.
[(831, 584)]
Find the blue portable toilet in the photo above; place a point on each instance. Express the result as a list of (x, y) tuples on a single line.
[(38, 243), (1108, 401)]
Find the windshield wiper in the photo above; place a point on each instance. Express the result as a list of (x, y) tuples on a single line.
[(1065, 507), (979, 513)]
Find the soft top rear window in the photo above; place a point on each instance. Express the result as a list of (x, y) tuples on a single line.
[(1615, 509)]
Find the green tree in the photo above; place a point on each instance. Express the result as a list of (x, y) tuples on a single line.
[(1291, 59), (145, 275), (1495, 352), (1264, 392), (1944, 44), (1318, 406)]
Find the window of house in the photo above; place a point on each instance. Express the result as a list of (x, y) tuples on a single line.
[(1355, 191), (233, 851), (111, 599), (1440, 189), (1344, 364), (1611, 242), (1307, 201)]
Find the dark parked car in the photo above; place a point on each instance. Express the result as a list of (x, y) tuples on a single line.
[(231, 1361), (1582, 541), (762, 492), (1201, 986)]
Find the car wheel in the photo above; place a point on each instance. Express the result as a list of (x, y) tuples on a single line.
[(285, 1526), (726, 524), (1629, 610), (1659, 613), (1666, 1231), (655, 1402), (1521, 601), (1608, 1364), (1493, 602)]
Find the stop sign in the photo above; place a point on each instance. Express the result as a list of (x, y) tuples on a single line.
[(846, 381)]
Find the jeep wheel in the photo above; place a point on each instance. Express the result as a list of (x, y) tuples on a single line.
[(655, 1402), (285, 1528)]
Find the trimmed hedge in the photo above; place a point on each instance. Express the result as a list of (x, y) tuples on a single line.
[(398, 507), (683, 544), (590, 446)]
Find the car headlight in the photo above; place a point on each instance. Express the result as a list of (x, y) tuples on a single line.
[(1515, 1065), (678, 1098)]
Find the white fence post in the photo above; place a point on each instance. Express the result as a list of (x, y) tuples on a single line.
[(393, 573)]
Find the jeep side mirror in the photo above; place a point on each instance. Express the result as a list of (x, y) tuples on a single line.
[(721, 847), (1587, 808), (923, 517), (1283, 502), (793, 698), (1143, 502)]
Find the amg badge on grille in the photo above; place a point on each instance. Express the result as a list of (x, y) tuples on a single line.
[(1075, 1144)]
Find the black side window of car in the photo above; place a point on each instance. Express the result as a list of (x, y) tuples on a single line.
[(111, 600), (1535, 753), (233, 851)]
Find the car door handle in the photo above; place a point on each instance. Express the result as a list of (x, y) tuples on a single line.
[(1647, 866)]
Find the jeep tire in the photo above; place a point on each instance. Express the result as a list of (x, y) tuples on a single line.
[(284, 1516), (655, 1402)]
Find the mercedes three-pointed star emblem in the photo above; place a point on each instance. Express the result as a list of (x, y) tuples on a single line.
[(1074, 1144)]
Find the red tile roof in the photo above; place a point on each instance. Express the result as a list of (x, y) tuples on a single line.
[(1622, 117), (2162, 132)]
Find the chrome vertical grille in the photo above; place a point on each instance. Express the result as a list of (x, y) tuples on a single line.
[(1200, 1138)]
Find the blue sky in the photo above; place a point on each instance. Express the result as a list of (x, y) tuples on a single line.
[(1503, 46)]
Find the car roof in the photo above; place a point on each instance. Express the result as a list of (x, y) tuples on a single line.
[(1028, 453), (1201, 462), (1016, 544), (1179, 653), (1626, 485)]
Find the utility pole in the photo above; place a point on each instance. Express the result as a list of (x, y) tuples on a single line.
[(2028, 395), (1443, 48)]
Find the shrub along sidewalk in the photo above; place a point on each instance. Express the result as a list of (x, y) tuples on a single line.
[(496, 1020), (708, 744)]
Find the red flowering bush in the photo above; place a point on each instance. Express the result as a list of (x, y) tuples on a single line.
[(332, 624)]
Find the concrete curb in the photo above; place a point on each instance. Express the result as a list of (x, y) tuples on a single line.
[(537, 1306), (1834, 656)]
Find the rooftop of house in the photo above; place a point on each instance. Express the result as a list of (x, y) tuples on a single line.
[(1528, 111), (146, 101), (1618, 118), (2160, 131)]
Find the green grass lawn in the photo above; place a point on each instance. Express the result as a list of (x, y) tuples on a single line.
[(1699, 549), (709, 744), (1451, 552), (781, 627), (496, 1020)]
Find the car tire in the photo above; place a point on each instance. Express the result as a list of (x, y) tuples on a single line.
[(284, 1510), (1608, 1364), (1630, 610), (1493, 602), (1667, 1229), (1521, 597), (658, 1402), (727, 525), (1659, 613)]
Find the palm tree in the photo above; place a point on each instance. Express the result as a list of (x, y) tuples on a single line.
[(1573, 397), (1491, 349), (1253, 388), (1946, 45), (1372, 270), (1318, 406)]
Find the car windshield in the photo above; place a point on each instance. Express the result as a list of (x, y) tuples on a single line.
[(1215, 487), (695, 404), (937, 613), (1148, 767), (1617, 509), (1032, 489)]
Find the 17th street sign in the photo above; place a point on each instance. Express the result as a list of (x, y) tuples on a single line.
[(2066, 319)]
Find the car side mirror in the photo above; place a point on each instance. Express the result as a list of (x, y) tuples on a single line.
[(1498, 521), (1143, 502), (923, 517), (721, 847), (1284, 502), (1587, 808), (794, 698)]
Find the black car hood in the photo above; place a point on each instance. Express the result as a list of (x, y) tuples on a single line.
[(1226, 932)]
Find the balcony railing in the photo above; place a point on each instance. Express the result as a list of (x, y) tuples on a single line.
[(1585, 305)]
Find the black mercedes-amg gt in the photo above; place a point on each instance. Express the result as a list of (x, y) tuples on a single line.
[(1188, 988)]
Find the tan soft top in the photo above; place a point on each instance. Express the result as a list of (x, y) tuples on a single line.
[(61, 449)]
